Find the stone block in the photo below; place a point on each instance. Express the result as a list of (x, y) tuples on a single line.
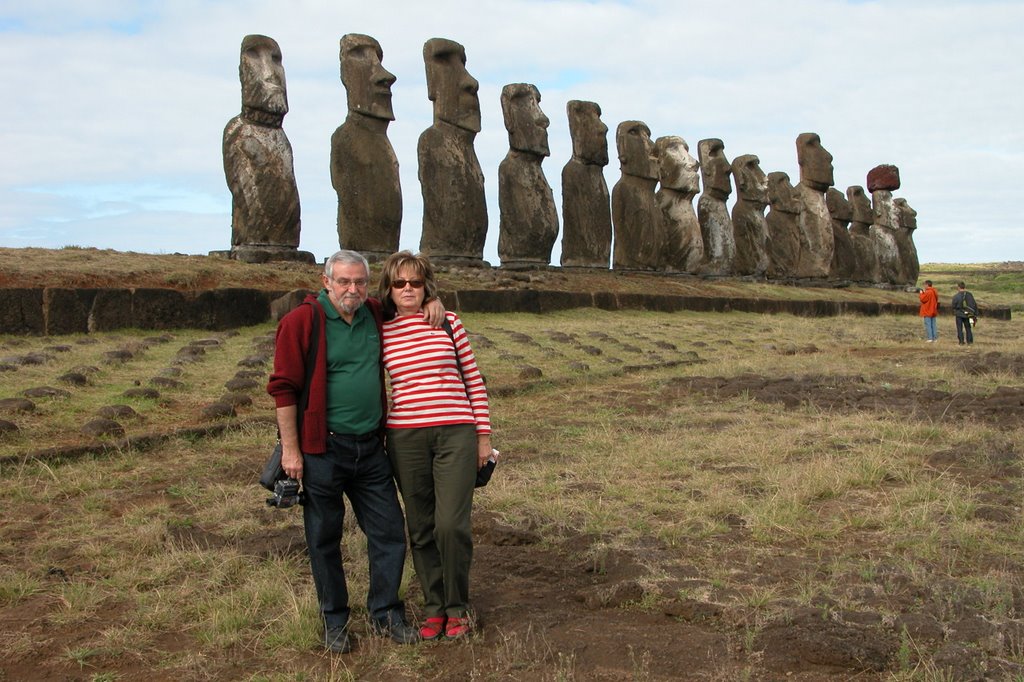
[(21, 311), (884, 177)]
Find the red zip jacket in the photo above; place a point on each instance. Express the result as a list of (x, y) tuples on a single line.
[(290, 352), (929, 302)]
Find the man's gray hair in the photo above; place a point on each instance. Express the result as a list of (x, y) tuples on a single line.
[(348, 258)]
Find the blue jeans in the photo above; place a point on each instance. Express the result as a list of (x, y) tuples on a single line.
[(930, 330), (360, 470)]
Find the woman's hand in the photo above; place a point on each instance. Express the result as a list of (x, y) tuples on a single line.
[(483, 450)]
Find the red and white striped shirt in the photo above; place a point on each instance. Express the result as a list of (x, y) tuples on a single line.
[(426, 389)]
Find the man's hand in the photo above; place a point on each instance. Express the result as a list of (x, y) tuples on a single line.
[(291, 462), (291, 451), (433, 313)]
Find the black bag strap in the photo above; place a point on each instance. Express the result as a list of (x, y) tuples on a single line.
[(314, 344), (447, 326)]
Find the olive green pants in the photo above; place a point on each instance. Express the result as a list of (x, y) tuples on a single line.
[(435, 468)]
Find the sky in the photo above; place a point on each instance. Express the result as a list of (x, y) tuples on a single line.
[(116, 108)]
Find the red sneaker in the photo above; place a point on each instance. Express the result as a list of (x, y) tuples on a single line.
[(432, 628), (457, 628)]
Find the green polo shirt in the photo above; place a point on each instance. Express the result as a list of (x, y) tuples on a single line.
[(353, 371)]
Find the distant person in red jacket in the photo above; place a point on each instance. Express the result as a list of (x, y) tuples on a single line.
[(929, 310)]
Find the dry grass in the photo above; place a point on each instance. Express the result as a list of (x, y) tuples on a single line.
[(159, 558)]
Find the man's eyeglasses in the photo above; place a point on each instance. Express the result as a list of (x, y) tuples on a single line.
[(346, 283), (400, 283)]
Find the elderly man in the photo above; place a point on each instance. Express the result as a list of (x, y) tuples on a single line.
[(336, 445)]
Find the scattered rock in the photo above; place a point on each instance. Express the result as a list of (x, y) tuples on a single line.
[(120, 355), (45, 392), (530, 372), (102, 427), (145, 393), (7, 428), (693, 611), (236, 399), (237, 385), (218, 410), (16, 405), (254, 361), (117, 412), (73, 378), (166, 382)]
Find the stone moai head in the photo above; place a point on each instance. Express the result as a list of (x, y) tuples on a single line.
[(860, 205), (838, 207), (907, 216), (780, 193), (588, 132), (526, 124), (815, 162), (636, 152), (262, 75), (449, 86), (677, 169), (366, 81), (714, 168), (751, 182)]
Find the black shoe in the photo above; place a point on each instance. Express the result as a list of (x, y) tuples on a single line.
[(400, 633), (336, 640)]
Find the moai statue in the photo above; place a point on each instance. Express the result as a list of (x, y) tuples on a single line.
[(364, 168), (636, 218), (882, 180), (861, 218), (715, 223), (452, 183), (844, 258), (749, 227), (816, 176), (679, 173), (258, 162), (783, 221), (529, 220), (910, 266), (586, 208)]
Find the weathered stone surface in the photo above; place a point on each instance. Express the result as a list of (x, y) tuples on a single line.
[(910, 266), (715, 222), (102, 427), (21, 311), (529, 221), (452, 183), (883, 233), (258, 164), (45, 392), (144, 393), (816, 176), (364, 167), (860, 234), (74, 379), (844, 258), (750, 229), (117, 412), (883, 177), (67, 310), (586, 202), (16, 405), (218, 410), (166, 382), (636, 218), (679, 175), (783, 222), (238, 384), (8, 428)]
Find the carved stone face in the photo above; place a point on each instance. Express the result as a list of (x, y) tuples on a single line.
[(526, 124), (589, 133), (262, 75), (907, 215), (751, 182), (780, 193), (449, 86), (636, 152), (367, 82), (677, 169), (815, 162), (714, 168), (838, 207), (860, 205)]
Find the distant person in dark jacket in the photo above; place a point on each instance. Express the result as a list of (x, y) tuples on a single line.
[(929, 309), (965, 310)]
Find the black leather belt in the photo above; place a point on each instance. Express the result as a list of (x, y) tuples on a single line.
[(359, 438)]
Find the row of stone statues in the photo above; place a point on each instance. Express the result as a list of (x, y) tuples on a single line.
[(648, 215)]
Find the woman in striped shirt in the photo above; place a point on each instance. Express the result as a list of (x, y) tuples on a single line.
[(438, 436)]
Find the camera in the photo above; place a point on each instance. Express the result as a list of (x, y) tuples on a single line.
[(286, 494)]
